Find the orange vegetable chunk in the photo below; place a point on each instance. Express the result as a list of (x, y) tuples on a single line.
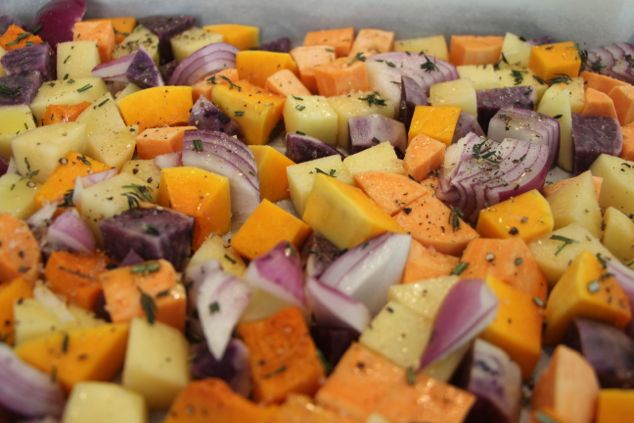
[(426, 263), (283, 358), (122, 26), (550, 60), (423, 155), (437, 122), (628, 141), (257, 65), (623, 97), (300, 409), (267, 226), (15, 37), (600, 82), (157, 106), (475, 49), (156, 141), (341, 76), (58, 113), (307, 58), (285, 83), (10, 293), (615, 405), (372, 41), (272, 174), (340, 39), (101, 32), (598, 103), (204, 87), (19, 250), (392, 192)]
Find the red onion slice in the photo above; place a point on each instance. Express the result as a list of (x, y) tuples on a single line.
[(168, 160), (624, 276), (70, 232), (204, 61), (468, 308), (25, 390), (615, 60), (332, 307), (57, 18)]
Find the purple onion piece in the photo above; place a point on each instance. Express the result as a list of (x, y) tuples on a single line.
[(333, 308), (614, 60), (204, 61), (333, 342), (70, 232), (412, 95), (368, 131), (303, 148), (56, 18), (466, 123)]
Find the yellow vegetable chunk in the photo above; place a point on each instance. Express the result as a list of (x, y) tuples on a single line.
[(313, 116), (14, 120), (99, 402), (527, 216), (558, 102), (157, 106), (424, 297), (615, 405), (517, 327), (113, 147), (490, 76), (378, 158), (78, 355), (438, 122), (516, 51), (156, 364), (10, 293), (257, 65), (214, 248), (187, 42), (585, 289), (77, 59), (458, 93), (550, 60), (344, 214), (271, 166), (617, 189), (256, 110), (145, 170), (101, 116), (240, 36), (18, 195), (71, 91), (618, 236), (267, 226), (434, 45)]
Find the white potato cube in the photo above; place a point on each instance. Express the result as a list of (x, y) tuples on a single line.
[(586, 211), (70, 91), (156, 362), (516, 51), (100, 402), (114, 148), (102, 116), (76, 59), (187, 42), (301, 177), (14, 120), (399, 334), (311, 115), (214, 248), (424, 297), (557, 103), (18, 195), (140, 37), (459, 93), (617, 189), (618, 236), (378, 158), (357, 104), (435, 45), (38, 151)]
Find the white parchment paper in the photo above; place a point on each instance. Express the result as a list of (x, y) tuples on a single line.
[(592, 22)]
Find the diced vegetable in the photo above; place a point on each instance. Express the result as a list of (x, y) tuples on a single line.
[(207, 117), (492, 100), (332, 307), (242, 37), (19, 252), (233, 368), (423, 263), (70, 91), (56, 19), (205, 61), (391, 191), (475, 49), (612, 60), (593, 136), (70, 232), (618, 182), (550, 60), (137, 68), (437, 122), (187, 42), (157, 106), (381, 157), (20, 88), (318, 253), (38, 57), (466, 123), (412, 95), (99, 401), (303, 148), (312, 116), (141, 37), (165, 27), (367, 131)]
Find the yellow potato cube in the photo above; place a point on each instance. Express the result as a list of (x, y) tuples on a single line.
[(379, 158), (458, 93), (435, 45), (99, 402), (14, 120), (311, 115), (18, 195)]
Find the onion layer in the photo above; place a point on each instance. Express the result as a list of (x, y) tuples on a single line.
[(204, 61)]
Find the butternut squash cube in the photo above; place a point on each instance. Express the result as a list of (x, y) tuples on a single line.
[(157, 106), (240, 36), (527, 216), (517, 327), (267, 226), (156, 363), (340, 39), (312, 115), (424, 263), (156, 141), (300, 408), (437, 122), (371, 41), (550, 60), (271, 166), (344, 214), (257, 65), (256, 111), (10, 293), (475, 49), (78, 355), (100, 402), (423, 155), (615, 405), (585, 290), (434, 45)]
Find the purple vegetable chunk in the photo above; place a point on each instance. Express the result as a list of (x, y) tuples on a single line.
[(495, 380), (318, 254), (154, 233), (615, 60), (592, 136), (279, 45), (6, 21), (143, 71), (20, 88), (168, 69), (333, 342), (368, 131), (466, 123), (38, 57), (131, 259), (412, 95), (54, 21), (233, 368), (303, 148), (166, 27), (206, 116), (492, 100), (609, 350), (540, 41), (3, 166)]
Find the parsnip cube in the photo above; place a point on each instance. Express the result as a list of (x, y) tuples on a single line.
[(617, 189), (140, 37), (424, 297), (618, 236), (76, 59), (459, 93), (516, 52), (99, 402), (313, 116), (156, 362), (146, 171), (301, 177), (380, 158), (398, 333), (37, 152), (18, 195), (187, 42), (435, 45), (557, 103), (102, 116), (586, 211), (113, 148), (14, 120), (70, 91)]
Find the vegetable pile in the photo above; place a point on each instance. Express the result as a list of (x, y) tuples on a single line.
[(199, 227)]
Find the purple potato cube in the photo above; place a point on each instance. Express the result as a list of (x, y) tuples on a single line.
[(279, 45), (318, 253), (491, 101), (303, 148), (20, 88), (466, 123), (368, 131), (143, 71), (591, 137), (38, 57), (153, 233), (166, 27), (206, 116)]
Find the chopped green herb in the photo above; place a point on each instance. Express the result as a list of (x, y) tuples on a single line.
[(149, 307), (300, 107), (65, 340), (8, 91), (84, 160), (67, 199), (560, 79), (137, 194), (518, 76), (19, 38), (298, 98), (359, 57), (374, 99), (300, 133), (230, 259), (557, 116), (144, 268), (583, 54), (231, 84), (103, 102), (410, 375), (198, 145), (602, 260), (275, 372), (239, 113), (518, 261), (29, 172), (454, 218), (214, 307), (566, 241), (163, 293), (459, 268), (597, 65), (429, 65), (84, 88), (390, 64), (538, 79)]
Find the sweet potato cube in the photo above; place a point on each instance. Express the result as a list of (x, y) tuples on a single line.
[(601, 82), (271, 166), (425, 263), (365, 382), (628, 141), (423, 155), (341, 76), (77, 355), (285, 83), (372, 41), (585, 290), (340, 39), (475, 49), (300, 408), (102, 32), (256, 65), (598, 103), (265, 228), (15, 37), (58, 113), (549, 60), (437, 122), (122, 26), (615, 405), (10, 293), (307, 58), (623, 97), (392, 192), (19, 250), (156, 141), (283, 358)]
